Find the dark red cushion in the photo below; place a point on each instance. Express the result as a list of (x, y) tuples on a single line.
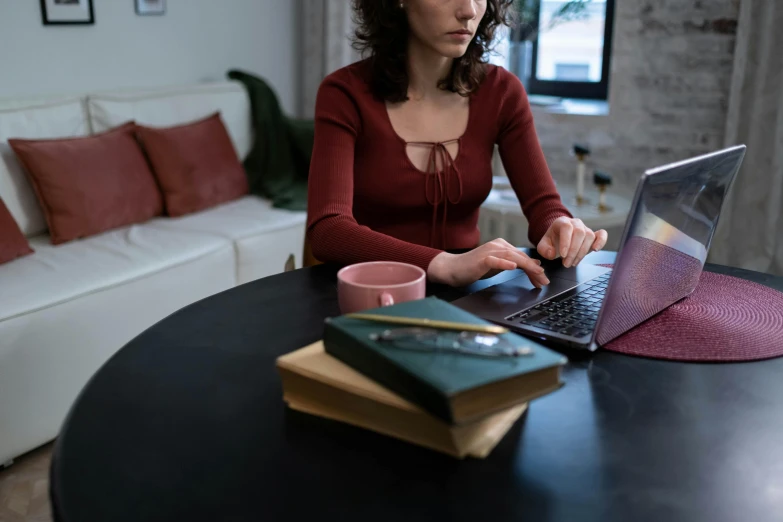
[(90, 184), (13, 244), (196, 164)]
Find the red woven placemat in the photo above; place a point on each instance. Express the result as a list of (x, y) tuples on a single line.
[(725, 319)]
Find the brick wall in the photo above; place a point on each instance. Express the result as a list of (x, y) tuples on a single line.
[(671, 69)]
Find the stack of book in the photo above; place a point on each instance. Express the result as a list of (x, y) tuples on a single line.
[(430, 387)]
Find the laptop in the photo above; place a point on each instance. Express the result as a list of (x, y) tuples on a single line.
[(663, 249)]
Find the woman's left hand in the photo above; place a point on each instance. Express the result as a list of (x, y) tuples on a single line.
[(570, 239)]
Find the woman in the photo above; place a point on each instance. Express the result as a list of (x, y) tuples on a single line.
[(404, 142)]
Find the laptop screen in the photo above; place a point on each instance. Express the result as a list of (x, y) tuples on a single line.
[(667, 238)]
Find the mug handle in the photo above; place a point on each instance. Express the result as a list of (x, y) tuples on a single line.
[(386, 299)]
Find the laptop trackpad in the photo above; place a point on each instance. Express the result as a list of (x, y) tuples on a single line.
[(507, 298)]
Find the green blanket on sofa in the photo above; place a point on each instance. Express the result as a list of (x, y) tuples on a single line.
[(278, 163)]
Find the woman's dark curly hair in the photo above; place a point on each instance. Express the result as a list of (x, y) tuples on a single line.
[(382, 30)]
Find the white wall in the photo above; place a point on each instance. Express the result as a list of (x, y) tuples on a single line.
[(195, 41)]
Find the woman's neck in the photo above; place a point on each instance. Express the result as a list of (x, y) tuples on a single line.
[(426, 69)]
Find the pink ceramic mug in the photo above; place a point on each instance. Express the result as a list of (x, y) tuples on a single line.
[(365, 286)]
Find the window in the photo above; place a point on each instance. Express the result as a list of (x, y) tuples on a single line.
[(569, 54), (572, 72)]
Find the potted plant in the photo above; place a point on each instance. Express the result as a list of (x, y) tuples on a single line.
[(525, 29)]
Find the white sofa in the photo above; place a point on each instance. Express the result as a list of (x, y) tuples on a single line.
[(66, 309)]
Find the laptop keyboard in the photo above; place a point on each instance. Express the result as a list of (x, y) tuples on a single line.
[(571, 313)]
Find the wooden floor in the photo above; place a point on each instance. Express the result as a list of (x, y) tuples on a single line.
[(24, 488)]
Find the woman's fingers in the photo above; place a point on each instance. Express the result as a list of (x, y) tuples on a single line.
[(563, 238), (546, 247), (507, 244), (575, 243), (533, 269), (514, 249), (573, 240), (500, 255), (522, 260), (497, 263), (601, 237), (587, 245)]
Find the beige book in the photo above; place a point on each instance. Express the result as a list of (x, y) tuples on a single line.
[(316, 383)]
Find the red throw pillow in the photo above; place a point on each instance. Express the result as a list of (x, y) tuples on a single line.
[(13, 244), (90, 184), (196, 164)]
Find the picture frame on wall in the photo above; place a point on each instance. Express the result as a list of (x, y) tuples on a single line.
[(150, 7), (67, 12)]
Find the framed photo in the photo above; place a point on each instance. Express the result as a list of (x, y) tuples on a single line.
[(67, 12), (150, 7)]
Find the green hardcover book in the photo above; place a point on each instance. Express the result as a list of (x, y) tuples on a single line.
[(456, 387)]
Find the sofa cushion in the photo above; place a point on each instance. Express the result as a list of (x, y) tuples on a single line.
[(175, 106), (13, 244), (263, 236), (245, 217), (55, 274), (195, 164), (90, 184), (34, 119)]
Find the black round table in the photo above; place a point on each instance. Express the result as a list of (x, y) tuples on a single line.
[(187, 423)]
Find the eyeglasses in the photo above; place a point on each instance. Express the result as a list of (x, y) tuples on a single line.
[(432, 340)]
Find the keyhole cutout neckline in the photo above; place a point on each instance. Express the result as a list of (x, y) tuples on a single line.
[(442, 183), (459, 140)]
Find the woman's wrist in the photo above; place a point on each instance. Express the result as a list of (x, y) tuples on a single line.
[(438, 270)]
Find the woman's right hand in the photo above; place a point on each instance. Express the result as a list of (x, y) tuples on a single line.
[(495, 256)]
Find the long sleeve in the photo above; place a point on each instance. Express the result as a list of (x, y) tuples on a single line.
[(333, 232), (524, 160)]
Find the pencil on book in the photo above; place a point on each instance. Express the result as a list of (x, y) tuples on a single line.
[(431, 323)]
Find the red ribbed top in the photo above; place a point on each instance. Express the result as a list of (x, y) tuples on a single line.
[(368, 202)]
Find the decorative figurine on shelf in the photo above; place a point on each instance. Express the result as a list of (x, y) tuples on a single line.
[(581, 153), (602, 180)]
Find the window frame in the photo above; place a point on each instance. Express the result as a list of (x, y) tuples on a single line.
[(582, 90)]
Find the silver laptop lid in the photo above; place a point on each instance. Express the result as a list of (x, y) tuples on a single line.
[(666, 239)]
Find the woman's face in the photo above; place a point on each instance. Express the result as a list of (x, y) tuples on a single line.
[(445, 26)]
